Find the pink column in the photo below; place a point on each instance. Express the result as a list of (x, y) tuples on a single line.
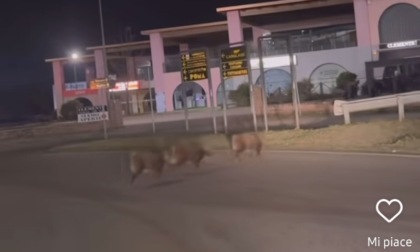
[(99, 63), (361, 13), (131, 69), (58, 88), (256, 33), (169, 94), (234, 27), (215, 76), (90, 73), (158, 59)]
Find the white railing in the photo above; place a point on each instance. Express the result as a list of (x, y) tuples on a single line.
[(399, 100)]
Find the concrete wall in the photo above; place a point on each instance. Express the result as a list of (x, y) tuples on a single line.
[(351, 59)]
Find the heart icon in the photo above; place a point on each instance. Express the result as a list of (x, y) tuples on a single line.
[(389, 202)]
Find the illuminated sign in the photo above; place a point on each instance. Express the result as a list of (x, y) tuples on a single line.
[(194, 66), (401, 44), (234, 62), (124, 86), (82, 92), (75, 86), (99, 83)]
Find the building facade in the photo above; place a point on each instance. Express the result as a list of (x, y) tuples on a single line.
[(375, 39)]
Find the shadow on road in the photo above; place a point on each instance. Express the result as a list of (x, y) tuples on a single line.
[(165, 183)]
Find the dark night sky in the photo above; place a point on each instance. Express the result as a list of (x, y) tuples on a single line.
[(35, 30)]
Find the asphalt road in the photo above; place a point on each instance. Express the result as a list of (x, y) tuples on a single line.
[(285, 202)]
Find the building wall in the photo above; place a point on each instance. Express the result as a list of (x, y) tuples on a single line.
[(351, 59)]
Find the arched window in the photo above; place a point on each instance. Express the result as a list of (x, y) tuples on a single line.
[(196, 96), (400, 22)]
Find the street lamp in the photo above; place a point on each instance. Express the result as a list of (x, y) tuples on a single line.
[(75, 56)]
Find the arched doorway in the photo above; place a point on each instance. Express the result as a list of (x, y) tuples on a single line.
[(195, 96), (398, 24), (86, 102)]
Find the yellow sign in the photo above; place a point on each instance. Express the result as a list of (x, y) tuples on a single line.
[(232, 73), (194, 66), (99, 83), (234, 62)]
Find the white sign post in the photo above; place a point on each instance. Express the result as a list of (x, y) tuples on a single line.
[(94, 114)]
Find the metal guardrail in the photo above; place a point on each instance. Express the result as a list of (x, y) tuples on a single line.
[(398, 100)]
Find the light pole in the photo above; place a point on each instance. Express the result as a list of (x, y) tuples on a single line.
[(105, 65), (75, 57), (103, 39)]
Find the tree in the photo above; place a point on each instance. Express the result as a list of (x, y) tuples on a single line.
[(241, 96), (69, 109)]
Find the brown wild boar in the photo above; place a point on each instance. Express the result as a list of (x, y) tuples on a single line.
[(245, 142), (146, 161), (180, 154)]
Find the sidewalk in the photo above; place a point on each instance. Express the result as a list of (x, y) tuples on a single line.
[(204, 125), (180, 116)]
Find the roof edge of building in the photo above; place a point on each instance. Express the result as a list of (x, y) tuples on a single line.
[(185, 27)]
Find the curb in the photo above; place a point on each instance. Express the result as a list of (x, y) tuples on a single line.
[(318, 152), (328, 152), (353, 153)]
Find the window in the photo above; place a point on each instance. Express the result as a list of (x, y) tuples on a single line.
[(312, 40)]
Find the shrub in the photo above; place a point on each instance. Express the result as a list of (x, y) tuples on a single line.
[(69, 109), (305, 87), (279, 97), (344, 79), (241, 95), (347, 81)]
